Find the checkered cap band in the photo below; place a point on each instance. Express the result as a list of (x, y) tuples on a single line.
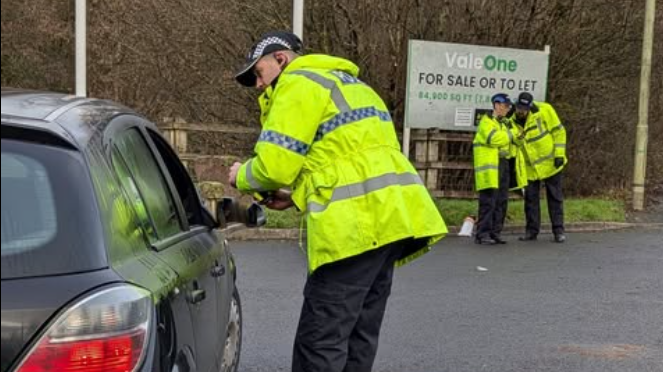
[(260, 48)]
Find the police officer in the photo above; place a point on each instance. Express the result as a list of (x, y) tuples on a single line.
[(544, 147), (493, 147), (329, 137)]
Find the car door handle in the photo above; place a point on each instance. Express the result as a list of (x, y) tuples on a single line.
[(218, 271), (197, 295)]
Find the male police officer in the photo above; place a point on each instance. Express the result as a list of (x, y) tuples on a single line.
[(329, 136), (544, 147)]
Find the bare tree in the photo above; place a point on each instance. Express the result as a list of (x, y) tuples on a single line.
[(176, 58)]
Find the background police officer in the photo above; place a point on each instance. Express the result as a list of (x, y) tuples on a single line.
[(492, 148), (544, 147)]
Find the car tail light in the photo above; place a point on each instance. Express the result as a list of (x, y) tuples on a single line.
[(105, 332)]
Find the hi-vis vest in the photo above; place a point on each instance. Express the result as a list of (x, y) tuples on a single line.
[(545, 140), (330, 137), (492, 141)]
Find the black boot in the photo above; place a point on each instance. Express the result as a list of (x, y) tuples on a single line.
[(485, 241), (498, 240), (528, 237)]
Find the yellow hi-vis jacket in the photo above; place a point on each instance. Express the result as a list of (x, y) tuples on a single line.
[(545, 140), (330, 137), (493, 140)]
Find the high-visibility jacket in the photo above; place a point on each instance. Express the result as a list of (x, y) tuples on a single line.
[(545, 140), (330, 137), (493, 140)]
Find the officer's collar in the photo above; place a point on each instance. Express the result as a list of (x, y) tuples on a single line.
[(275, 81)]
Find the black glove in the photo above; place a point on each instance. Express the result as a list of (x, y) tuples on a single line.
[(512, 111), (559, 162)]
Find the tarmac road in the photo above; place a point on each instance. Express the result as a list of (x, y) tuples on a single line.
[(594, 304)]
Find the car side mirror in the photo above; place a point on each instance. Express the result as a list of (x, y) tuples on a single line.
[(256, 215), (229, 210)]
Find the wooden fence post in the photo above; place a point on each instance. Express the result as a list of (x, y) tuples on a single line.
[(421, 156), (432, 156), (176, 133)]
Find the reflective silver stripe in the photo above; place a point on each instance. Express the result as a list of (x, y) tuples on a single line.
[(479, 145), (330, 84), (284, 141), (504, 154), (486, 167), (315, 207), (561, 146), (344, 118), (490, 136), (541, 160), (538, 124), (250, 178), (368, 186), (557, 128), (510, 135), (534, 139)]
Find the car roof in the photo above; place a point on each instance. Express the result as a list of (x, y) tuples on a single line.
[(34, 104), (39, 110)]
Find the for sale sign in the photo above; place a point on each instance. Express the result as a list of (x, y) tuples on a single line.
[(449, 83)]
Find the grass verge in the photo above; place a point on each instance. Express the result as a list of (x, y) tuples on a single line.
[(455, 210)]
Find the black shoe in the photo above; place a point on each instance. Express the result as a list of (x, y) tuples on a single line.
[(498, 240), (560, 238), (528, 237), (485, 241)]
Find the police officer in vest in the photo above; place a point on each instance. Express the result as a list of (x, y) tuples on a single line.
[(495, 151), (544, 147), (329, 138)]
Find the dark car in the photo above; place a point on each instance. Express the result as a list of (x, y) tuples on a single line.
[(110, 261)]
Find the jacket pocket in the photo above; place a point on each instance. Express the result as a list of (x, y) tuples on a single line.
[(315, 187)]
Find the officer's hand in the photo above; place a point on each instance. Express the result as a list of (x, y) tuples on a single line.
[(232, 174), (559, 162), (279, 200)]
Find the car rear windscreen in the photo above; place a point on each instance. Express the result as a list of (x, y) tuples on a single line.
[(50, 223)]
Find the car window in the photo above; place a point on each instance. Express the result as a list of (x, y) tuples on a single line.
[(178, 173), (151, 190), (129, 184), (50, 223), (24, 178)]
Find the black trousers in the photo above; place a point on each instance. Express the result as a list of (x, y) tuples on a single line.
[(493, 204), (555, 199), (344, 304)]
